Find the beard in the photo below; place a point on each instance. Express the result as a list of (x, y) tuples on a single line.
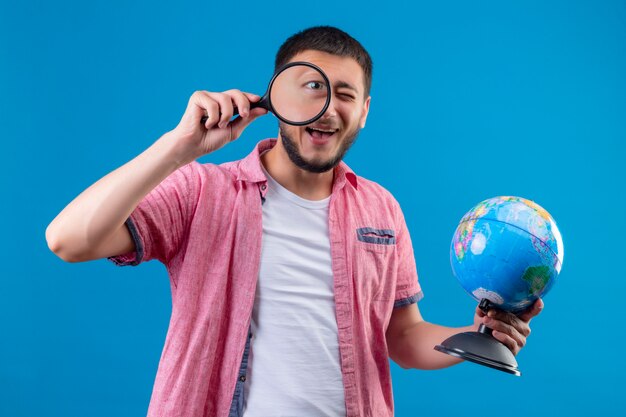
[(316, 166)]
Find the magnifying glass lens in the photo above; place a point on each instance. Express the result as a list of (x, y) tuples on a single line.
[(299, 94)]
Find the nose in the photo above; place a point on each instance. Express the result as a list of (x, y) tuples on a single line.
[(331, 111)]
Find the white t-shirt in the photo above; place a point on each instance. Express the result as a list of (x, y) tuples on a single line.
[(294, 367)]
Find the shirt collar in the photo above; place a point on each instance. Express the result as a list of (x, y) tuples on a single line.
[(250, 167)]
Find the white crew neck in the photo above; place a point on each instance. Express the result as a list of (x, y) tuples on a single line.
[(275, 187)]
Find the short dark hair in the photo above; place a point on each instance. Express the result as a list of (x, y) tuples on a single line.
[(330, 40)]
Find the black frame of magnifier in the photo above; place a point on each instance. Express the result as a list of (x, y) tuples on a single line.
[(266, 103)]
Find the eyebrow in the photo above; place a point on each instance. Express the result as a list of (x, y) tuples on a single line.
[(343, 84)]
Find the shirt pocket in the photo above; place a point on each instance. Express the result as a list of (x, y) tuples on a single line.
[(378, 240), (374, 262)]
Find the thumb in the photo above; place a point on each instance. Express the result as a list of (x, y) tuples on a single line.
[(532, 311), (240, 123)]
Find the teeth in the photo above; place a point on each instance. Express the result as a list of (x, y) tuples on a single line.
[(322, 130)]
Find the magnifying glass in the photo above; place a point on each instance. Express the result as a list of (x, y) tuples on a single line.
[(298, 94)]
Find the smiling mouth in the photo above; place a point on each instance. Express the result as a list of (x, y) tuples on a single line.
[(320, 134)]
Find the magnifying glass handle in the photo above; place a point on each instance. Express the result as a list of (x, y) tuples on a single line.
[(261, 103)]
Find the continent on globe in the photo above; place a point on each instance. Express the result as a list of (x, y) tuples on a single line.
[(494, 297), (537, 278)]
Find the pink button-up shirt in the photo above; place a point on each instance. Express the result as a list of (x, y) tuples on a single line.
[(204, 223)]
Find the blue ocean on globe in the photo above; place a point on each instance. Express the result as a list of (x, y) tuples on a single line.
[(507, 250)]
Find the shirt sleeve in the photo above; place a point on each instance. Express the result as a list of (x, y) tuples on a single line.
[(408, 290), (159, 224)]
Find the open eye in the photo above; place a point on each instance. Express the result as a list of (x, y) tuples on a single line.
[(315, 85)]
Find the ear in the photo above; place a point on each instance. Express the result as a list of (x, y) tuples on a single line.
[(366, 109)]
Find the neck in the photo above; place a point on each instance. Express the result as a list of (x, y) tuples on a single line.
[(305, 184)]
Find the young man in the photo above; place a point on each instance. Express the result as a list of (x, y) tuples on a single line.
[(293, 280)]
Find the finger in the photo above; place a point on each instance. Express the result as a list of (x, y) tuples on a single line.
[(504, 316), (252, 97), (240, 123), (510, 319), (532, 311), (201, 104), (241, 101), (226, 108), (505, 328), (507, 340)]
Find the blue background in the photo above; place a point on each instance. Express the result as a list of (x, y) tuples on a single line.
[(470, 100)]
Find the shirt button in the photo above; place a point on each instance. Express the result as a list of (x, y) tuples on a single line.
[(242, 378), (263, 187)]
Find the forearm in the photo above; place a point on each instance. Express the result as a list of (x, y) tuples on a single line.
[(93, 216), (415, 346)]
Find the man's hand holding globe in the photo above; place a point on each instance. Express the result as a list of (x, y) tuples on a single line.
[(508, 328)]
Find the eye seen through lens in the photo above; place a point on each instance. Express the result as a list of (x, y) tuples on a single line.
[(299, 94)]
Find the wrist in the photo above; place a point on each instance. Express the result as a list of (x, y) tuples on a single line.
[(169, 145)]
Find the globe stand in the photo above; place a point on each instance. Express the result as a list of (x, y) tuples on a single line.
[(481, 347)]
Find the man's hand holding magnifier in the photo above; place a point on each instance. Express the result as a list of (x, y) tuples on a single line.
[(298, 94), (198, 139)]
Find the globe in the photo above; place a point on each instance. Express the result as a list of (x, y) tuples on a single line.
[(507, 250)]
